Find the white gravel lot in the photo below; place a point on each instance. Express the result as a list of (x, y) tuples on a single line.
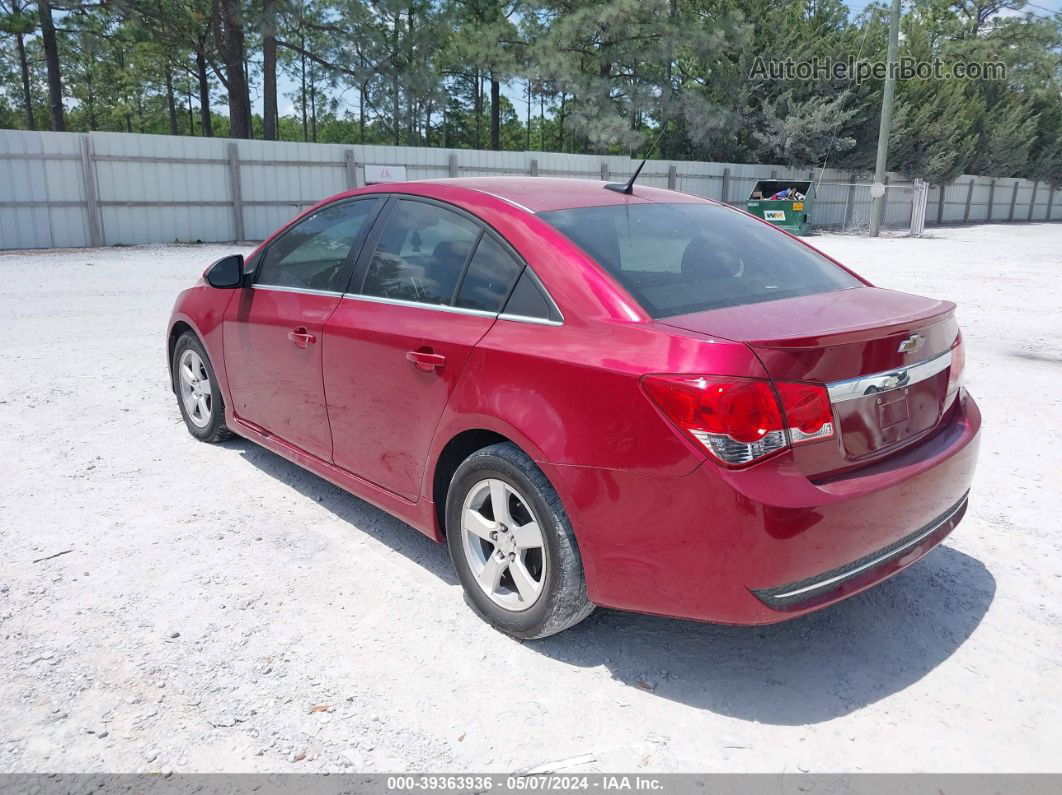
[(222, 610)]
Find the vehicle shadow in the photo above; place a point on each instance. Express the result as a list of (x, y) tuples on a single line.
[(366, 517), (808, 670)]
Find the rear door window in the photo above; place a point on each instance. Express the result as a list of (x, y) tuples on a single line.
[(680, 258), (489, 278), (421, 254), (528, 300)]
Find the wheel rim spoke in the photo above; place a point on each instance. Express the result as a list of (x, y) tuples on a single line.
[(479, 525), (491, 574), (187, 375), (499, 502), (525, 583), (528, 536)]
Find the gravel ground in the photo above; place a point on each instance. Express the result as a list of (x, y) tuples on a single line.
[(219, 609)]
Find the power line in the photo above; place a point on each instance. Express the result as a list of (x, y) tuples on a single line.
[(1045, 8)]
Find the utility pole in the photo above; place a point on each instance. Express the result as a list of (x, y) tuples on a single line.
[(877, 190)]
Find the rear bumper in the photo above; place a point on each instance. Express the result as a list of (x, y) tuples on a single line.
[(833, 584), (765, 544)]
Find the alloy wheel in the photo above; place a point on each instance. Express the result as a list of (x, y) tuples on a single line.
[(503, 544), (196, 391)]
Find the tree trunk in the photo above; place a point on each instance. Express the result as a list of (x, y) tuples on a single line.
[(560, 124), (51, 57), (247, 94), (495, 113), (671, 14), (542, 122), (90, 102), (171, 102), (204, 94), (361, 113), (396, 118), (411, 101), (478, 108), (191, 116), (27, 97), (302, 86), (313, 106), (228, 32), (269, 70)]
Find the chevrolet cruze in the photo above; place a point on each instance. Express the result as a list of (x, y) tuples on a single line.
[(595, 395)]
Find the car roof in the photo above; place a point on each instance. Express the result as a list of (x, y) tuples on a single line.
[(542, 194)]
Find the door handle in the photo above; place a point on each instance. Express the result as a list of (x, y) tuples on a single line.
[(426, 361), (301, 337)]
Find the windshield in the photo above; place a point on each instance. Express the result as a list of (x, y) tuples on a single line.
[(681, 258)]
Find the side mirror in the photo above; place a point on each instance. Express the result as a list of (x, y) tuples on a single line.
[(226, 273)]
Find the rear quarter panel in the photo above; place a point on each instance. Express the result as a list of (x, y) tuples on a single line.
[(571, 394)]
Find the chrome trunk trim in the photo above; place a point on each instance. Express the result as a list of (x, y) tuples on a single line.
[(899, 378)]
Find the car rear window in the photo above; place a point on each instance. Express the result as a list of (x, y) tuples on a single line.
[(680, 258)]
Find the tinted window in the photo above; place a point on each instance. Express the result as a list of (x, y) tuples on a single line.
[(313, 254), (489, 277), (527, 300), (421, 254), (680, 258)]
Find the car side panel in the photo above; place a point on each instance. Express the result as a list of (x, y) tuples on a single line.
[(203, 308), (382, 408), (574, 392), (274, 383)]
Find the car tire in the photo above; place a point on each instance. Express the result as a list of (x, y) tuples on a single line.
[(535, 586), (197, 389)]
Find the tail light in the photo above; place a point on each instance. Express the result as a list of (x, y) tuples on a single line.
[(958, 363), (742, 420)]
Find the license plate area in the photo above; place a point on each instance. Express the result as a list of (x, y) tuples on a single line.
[(883, 419), (893, 410)]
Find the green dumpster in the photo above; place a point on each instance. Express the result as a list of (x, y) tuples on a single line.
[(791, 210)]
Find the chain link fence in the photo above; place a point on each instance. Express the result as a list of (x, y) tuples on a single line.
[(846, 207)]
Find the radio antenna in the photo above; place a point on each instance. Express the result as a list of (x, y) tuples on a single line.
[(628, 187)]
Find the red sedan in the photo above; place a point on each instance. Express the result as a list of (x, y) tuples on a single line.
[(643, 400)]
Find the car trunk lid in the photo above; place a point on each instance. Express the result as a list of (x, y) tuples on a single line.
[(841, 339)]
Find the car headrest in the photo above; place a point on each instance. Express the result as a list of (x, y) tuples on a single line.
[(705, 259), (452, 253)]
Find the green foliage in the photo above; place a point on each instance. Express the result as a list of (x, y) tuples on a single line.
[(569, 75), (798, 132)]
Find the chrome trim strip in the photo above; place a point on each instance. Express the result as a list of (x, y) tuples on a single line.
[(892, 553), (541, 321), (456, 310), (507, 201), (301, 290), (853, 388)]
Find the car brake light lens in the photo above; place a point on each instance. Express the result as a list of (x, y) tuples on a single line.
[(740, 420), (958, 364)]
